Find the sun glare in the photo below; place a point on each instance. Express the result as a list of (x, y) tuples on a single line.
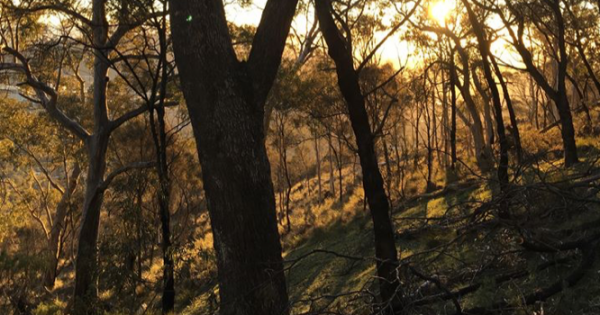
[(440, 11)]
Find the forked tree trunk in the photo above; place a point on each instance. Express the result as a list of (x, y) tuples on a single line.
[(225, 99), (483, 152), (555, 92)]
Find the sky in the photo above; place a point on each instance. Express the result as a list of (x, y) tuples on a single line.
[(394, 50)]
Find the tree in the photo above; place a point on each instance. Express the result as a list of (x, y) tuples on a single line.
[(340, 50), (483, 45), (554, 31), (225, 98), (97, 140)]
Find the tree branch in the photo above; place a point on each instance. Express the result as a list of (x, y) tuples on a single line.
[(268, 45), (109, 179), (46, 95)]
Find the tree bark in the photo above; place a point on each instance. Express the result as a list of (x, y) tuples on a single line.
[(58, 227), (86, 262), (160, 139), (97, 146), (483, 45), (453, 112), (557, 94), (225, 99), (385, 247), (511, 111), (318, 162), (487, 111)]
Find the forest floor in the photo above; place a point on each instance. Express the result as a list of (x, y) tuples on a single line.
[(455, 252)]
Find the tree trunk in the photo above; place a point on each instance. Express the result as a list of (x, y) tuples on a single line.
[(318, 162), (487, 110), (226, 99), (567, 130), (557, 92), (58, 227), (97, 145), (483, 153), (484, 50), (385, 247), (87, 255), (331, 168), (511, 111), (340, 166), (160, 138), (451, 174)]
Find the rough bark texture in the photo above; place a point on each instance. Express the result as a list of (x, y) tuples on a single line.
[(385, 247), (225, 99)]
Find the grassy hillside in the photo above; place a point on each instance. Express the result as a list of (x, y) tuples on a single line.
[(450, 241)]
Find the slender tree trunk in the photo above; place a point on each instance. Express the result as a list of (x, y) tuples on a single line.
[(483, 152), (58, 227), (429, 186), (511, 111), (288, 180), (487, 110), (417, 136), (385, 247), (318, 162), (388, 165), (168, 297), (159, 135), (340, 166), (331, 168), (484, 50), (454, 159)]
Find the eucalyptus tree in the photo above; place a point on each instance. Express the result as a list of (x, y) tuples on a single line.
[(547, 19), (483, 45), (225, 98), (462, 77), (102, 37), (341, 50)]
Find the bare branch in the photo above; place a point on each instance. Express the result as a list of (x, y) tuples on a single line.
[(46, 94), (108, 180)]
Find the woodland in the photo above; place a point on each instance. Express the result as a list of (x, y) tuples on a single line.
[(299, 157)]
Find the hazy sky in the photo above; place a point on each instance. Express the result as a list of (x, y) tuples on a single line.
[(394, 51)]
